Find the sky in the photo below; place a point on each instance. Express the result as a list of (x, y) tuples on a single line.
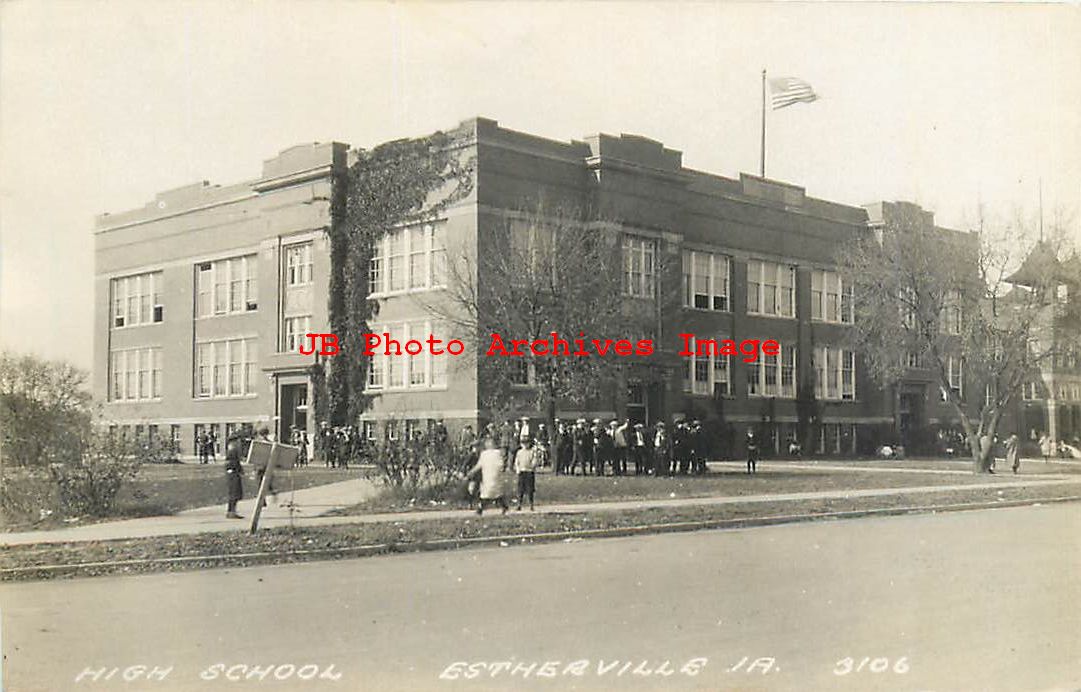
[(103, 104)]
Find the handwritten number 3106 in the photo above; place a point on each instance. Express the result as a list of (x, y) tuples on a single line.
[(873, 665)]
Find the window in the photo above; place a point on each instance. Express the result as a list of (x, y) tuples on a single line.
[(771, 289), (906, 303), (831, 298), (395, 364), (418, 261), (412, 259), (225, 368), (404, 371), (773, 375), (376, 371), (705, 280), (367, 430), (912, 359), (174, 439), (137, 300), (135, 374), (295, 330), (226, 286), (848, 304), (395, 249), (989, 395), (952, 313), (956, 377), (1030, 391), (298, 264), (837, 438), (375, 269), (835, 373), (532, 246), (848, 375), (788, 371), (639, 267), (523, 373), (707, 374), (418, 364)]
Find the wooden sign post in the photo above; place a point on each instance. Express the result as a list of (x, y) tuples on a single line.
[(268, 456)]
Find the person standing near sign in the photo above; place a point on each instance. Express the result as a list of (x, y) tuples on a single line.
[(264, 436), (234, 475)]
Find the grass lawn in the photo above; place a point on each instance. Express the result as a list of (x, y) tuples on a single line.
[(728, 482), (237, 549), (162, 489), (170, 488)]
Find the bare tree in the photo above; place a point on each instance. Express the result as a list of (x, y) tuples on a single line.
[(975, 308), (551, 272)]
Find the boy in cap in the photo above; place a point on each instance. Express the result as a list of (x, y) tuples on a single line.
[(525, 465)]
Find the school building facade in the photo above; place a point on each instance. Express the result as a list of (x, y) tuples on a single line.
[(202, 296)]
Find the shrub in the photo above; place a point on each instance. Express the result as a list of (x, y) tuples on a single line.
[(90, 485), (87, 486), (422, 469), (28, 495)]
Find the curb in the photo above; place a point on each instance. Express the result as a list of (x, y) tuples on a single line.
[(268, 557)]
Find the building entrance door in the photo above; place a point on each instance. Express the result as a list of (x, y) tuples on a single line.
[(637, 403), (910, 417), (294, 410)]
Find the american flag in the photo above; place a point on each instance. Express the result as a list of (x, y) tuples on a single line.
[(788, 90)]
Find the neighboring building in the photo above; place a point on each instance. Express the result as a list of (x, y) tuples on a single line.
[(1050, 402), (201, 295)]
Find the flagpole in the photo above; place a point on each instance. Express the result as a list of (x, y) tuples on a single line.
[(762, 153)]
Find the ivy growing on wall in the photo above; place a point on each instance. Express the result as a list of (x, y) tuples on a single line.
[(396, 184)]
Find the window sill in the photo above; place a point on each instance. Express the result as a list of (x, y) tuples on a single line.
[(726, 311), (786, 397), (772, 317), (404, 390), (226, 314), (152, 400), (224, 397), (406, 291), (136, 326)]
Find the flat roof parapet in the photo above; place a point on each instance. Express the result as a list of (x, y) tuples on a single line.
[(637, 150)]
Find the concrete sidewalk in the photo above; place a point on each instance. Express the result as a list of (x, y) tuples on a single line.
[(313, 502), (296, 507)]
